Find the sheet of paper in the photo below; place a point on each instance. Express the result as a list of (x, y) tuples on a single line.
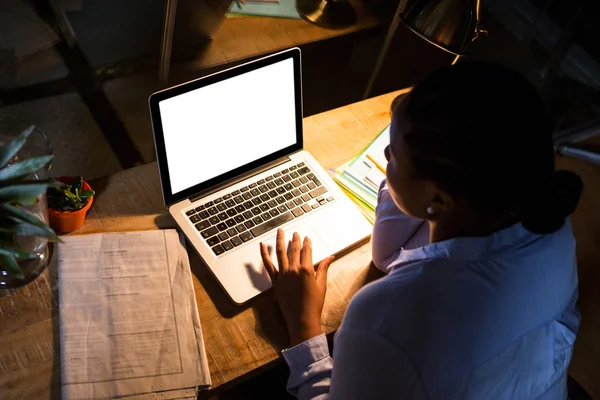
[(129, 323), (283, 8)]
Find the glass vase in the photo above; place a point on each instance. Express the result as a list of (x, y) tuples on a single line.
[(36, 145)]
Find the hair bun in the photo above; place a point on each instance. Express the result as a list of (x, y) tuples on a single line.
[(545, 211)]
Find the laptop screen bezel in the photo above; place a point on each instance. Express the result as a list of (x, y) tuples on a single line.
[(159, 141)]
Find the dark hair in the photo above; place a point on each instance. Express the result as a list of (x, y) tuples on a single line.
[(481, 131)]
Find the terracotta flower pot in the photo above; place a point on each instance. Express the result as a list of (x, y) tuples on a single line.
[(68, 221)]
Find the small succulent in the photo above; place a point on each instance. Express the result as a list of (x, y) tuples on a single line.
[(65, 197), (17, 189)]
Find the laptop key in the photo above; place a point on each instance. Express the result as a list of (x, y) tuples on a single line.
[(273, 223), (222, 226), (317, 182), (311, 185), (269, 178), (214, 220), (272, 203), (273, 193), (256, 201), (252, 185), (209, 204), (285, 171), (190, 212), (232, 232), (248, 205), (316, 205), (244, 189), (303, 179), (247, 195), (280, 200), (223, 216), (264, 207), (209, 232), (303, 189), (277, 174), (280, 189), (300, 165), (202, 225), (212, 241), (221, 207), (238, 199), (236, 241), (305, 197), (241, 228), (261, 182), (246, 236), (290, 205), (264, 197), (288, 186), (286, 178), (305, 207), (256, 210), (274, 212), (200, 208), (230, 203), (311, 176), (303, 171), (203, 214), (255, 192), (238, 218), (279, 181), (266, 216), (318, 192), (227, 245), (248, 214), (271, 185), (293, 167), (296, 183), (195, 218), (257, 220), (323, 202), (330, 198), (298, 201), (235, 192), (288, 196), (282, 208), (218, 249), (240, 208), (227, 196), (263, 188), (297, 212), (294, 175), (213, 210), (231, 212), (230, 222), (218, 200), (296, 192), (249, 224), (223, 236)]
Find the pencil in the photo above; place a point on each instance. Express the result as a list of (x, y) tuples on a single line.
[(379, 167)]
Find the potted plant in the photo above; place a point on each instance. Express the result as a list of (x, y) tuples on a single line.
[(23, 233), (69, 202)]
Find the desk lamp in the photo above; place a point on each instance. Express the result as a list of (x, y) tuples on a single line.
[(450, 25)]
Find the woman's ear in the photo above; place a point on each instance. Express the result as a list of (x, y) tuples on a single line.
[(442, 202)]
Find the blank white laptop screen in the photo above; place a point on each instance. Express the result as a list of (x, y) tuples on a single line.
[(219, 127)]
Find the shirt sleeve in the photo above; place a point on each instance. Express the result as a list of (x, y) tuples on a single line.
[(394, 231), (367, 367)]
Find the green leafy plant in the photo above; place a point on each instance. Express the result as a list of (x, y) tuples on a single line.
[(17, 189), (64, 197)]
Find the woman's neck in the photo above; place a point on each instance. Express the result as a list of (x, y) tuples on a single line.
[(467, 225)]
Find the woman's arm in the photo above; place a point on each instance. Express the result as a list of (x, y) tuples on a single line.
[(394, 231)]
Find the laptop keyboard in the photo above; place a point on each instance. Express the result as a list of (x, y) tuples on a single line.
[(240, 216)]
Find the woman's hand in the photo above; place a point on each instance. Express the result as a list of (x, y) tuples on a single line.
[(299, 290)]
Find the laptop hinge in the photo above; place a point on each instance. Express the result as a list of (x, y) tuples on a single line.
[(239, 178)]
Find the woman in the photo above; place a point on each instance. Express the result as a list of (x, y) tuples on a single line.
[(484, 309)]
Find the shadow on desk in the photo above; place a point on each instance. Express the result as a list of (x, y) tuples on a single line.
[(55, 386)]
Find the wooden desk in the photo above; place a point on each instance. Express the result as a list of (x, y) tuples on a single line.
[(239, 341)]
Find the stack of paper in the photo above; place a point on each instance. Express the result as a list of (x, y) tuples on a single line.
[(360, 177), (129, 324)]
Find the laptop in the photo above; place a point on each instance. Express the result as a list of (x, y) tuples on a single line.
[(233, 170)]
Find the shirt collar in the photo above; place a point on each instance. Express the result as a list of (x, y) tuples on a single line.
[(469, 248)]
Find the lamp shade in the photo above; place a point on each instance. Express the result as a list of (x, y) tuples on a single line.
[(449, 24)]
